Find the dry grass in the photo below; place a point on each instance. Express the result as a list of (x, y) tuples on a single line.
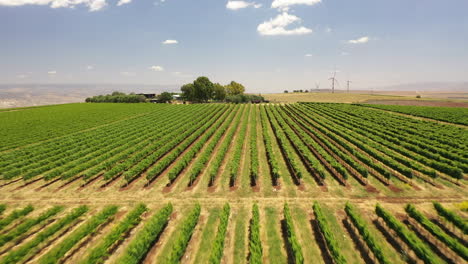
[(354, 97)]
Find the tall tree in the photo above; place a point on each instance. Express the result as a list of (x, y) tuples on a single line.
[(188, 91), (235, 88), (203, 89), (219, 92)]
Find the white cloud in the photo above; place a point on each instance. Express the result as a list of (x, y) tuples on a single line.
[(93, 5), (235, 5), (123, 2), (359, 40), (328, 30), (156, 68), (285, 4), (21, 76), (308, 55), (344, 53), (277, 26), (52, 72), (89, 67), (170, 41)]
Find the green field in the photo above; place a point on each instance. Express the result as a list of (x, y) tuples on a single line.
[(161, 183)]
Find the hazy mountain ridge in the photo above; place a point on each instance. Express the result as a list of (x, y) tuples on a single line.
[(20, 95)]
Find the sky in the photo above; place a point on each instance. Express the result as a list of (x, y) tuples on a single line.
[(268, 45)]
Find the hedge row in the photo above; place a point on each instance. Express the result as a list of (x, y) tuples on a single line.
[(452, 217), (437, 231), (370, 240), (218, 244), (15, 215), (294, 246), (330, 239), (32, 247), (100, 253), (146, 237), (418, 246), (185, 231), (255, 243), (24, 227), (90, 227), (271, 158)]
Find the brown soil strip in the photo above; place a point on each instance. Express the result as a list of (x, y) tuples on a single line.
[(69, 182), (437, 246), (456, 235), (361, 246), (151, 183), (191, 250), (90, 181), (167, 231), (28, 183), (24, 237), (84, 243), (372, 171), (326, 255), (10, 182), (393, 239)]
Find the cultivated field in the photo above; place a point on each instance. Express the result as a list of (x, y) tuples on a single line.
[(222, 183)]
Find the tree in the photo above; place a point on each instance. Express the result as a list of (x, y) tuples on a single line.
[(188, 91), (235, 88), (219, 92), (165, 97), (203, 89), (285, 91)]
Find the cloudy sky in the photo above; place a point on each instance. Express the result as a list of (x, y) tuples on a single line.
[(269, 45)]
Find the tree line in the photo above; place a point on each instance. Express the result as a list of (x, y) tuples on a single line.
[(117, 97), (202, 90)]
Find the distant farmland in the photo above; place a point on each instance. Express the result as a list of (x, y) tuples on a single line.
[(226, 183)]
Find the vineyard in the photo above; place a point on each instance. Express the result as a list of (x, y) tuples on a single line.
[(227, 183)]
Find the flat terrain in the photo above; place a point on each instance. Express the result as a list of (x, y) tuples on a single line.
[(211, 155), (378, 97)]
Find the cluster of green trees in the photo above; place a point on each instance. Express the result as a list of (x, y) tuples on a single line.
[(117, 97), (203, 90)]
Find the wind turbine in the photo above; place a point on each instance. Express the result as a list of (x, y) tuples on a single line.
[(317, 86), (348, 82), (333, 79)]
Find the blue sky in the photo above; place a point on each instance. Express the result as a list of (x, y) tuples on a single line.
[(269, 45)]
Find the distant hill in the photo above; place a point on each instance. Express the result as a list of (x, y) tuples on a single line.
[(19, 95)]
